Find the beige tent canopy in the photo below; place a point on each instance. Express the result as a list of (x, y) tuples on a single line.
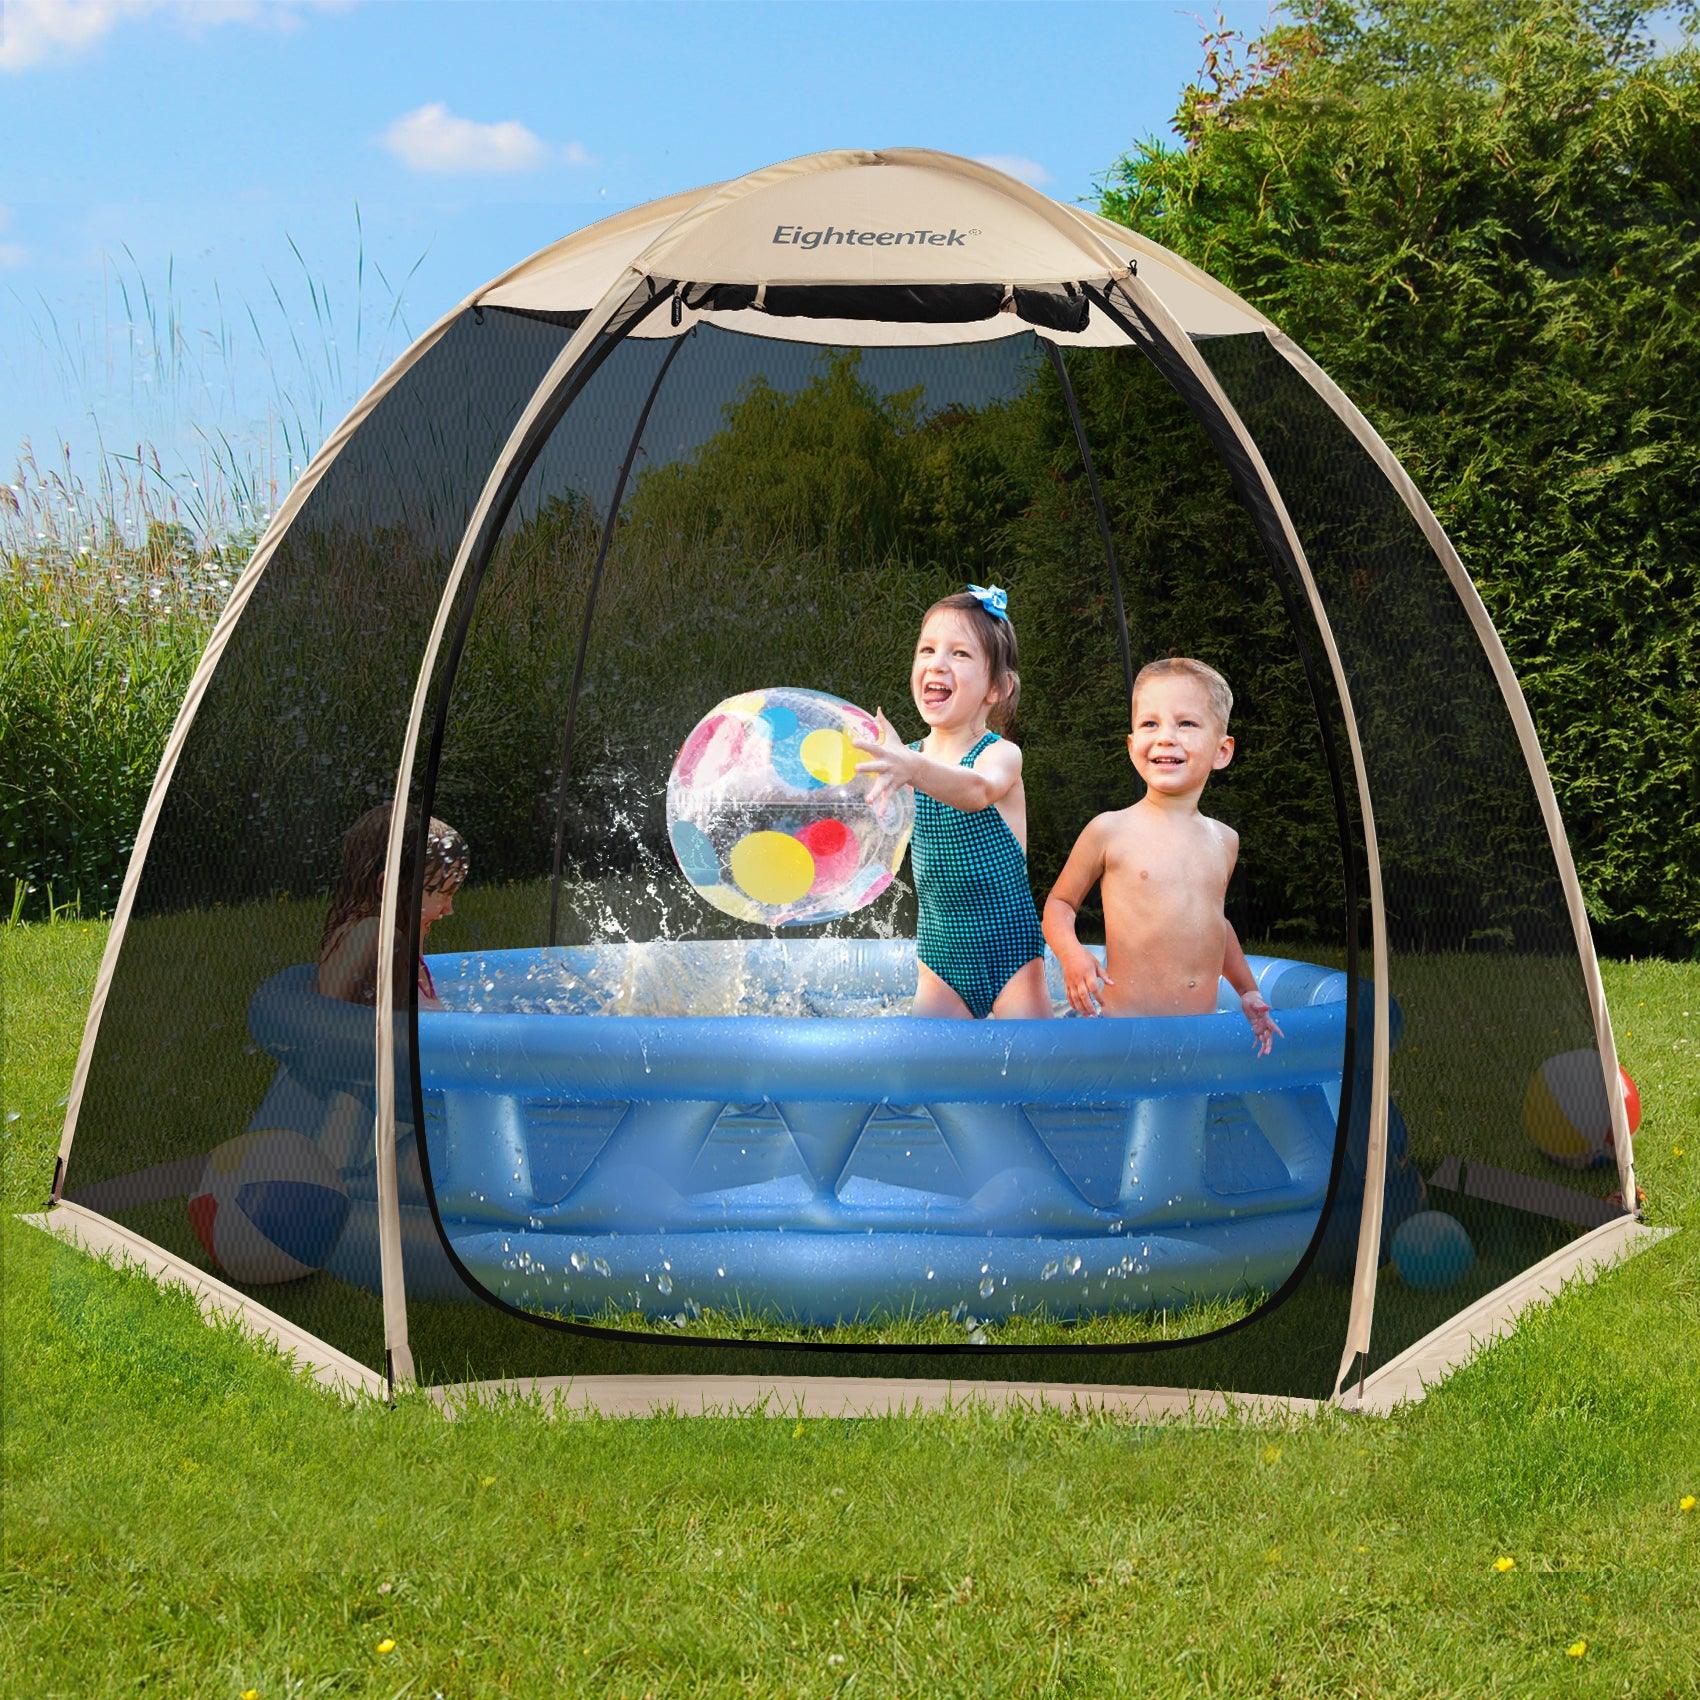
[(543, 413)]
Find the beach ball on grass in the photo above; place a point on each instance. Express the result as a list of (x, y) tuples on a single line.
[(1566, 1113), (270, 1207), (1432, 1250), (769, 818)]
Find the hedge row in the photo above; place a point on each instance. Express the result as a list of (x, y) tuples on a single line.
[(1484, 222)]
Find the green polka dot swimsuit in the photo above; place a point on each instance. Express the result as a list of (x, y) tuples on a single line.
[(978, 926)]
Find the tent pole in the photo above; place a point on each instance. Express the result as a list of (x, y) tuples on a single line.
[(1350, 893), (608, 528), (1198, 384), (572, 369), (1060, 366), (1347, 412), (1348, 860)]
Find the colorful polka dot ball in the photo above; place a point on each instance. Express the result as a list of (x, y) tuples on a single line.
[(1566, 1113), (770, 820), (270, 1207)]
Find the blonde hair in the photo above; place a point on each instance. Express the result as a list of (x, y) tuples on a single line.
[(996, 636), (1216, 691)]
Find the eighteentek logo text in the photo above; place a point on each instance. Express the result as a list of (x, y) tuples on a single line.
[(795, 236)]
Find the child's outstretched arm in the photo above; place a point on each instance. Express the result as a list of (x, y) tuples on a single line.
[(1237, 972), (893, 763), (1084, 978)]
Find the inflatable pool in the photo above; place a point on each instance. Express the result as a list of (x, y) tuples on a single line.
[(757, 1125)]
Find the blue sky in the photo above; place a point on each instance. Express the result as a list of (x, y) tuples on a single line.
[(164, 155)]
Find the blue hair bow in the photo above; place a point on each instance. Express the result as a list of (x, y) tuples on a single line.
[(993, 598)]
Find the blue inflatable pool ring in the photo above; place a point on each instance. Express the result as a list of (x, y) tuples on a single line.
[(780, 1141)]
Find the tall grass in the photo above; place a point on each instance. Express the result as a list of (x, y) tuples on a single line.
[(113, 569), (96, 652)]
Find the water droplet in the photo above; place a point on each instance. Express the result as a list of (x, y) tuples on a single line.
[(1071, 1265), (600, 1265), (664, 1284), (987, 1285), (1049, 1270)]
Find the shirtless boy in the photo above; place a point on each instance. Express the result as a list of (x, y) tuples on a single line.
[(1163, 866)]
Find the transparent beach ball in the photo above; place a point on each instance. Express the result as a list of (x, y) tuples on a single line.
[(769, 818)]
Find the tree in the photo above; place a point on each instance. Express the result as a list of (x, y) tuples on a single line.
[(1484, 222)]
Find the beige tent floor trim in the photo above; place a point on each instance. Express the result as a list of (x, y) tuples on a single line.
[(103, 1238), (676, 1395), (1403, 1380), (1406, 1378), (862, 1396)]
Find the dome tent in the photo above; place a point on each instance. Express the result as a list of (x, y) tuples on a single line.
[(438, 612)]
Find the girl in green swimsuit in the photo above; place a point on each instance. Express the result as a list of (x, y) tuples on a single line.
[(978, 940)]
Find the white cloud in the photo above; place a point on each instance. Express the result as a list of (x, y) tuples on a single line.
[(433, 139), (1015, 165), (35, 30), (32, 30)]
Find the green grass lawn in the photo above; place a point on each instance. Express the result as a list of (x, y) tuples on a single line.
[(185, 1515)]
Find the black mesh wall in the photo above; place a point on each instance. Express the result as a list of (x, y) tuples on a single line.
[(298, 734), (790, 512), (1484, 963), (793, 509)]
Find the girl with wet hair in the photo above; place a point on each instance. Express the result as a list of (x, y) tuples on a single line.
[(348, 948)]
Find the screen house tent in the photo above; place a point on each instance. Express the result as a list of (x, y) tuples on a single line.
[(737, 440)]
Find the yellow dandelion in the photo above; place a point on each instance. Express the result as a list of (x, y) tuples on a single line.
[(1271, 1454), (386, 1645), (1273, 1556), (486, 1481), (1504, 1564), (1576, 1649), (1679, 1151), (1687, 1502), (250, 1694), (797, 1432)]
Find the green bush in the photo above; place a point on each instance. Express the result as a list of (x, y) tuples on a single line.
[(1484, 222)]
